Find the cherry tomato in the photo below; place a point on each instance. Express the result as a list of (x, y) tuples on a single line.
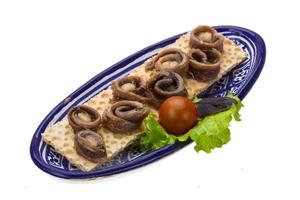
[(177, 115)]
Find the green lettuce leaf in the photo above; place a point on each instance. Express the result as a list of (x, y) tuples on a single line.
[(209, 133), (155, 135)]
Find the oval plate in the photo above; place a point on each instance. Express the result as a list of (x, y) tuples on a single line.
[(239, 81)]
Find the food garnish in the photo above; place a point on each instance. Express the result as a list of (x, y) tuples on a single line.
[(210, 132), (177, 115), (209, 106)]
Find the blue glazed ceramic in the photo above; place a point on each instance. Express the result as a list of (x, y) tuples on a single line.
[(239, 81)]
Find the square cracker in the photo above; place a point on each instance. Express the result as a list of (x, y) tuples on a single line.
[(61, 136)]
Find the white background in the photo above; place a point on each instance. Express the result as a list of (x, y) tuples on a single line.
[(50, 48)]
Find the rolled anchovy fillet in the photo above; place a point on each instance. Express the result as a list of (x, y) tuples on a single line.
[(171, 59), (205, 65), (130, 88), (164, 85), (125, 116), (205, 37), (90, 145), (84, 117)]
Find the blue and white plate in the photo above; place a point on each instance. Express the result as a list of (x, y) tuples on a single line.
[(239, 81)]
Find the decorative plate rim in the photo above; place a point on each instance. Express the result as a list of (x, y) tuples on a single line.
[(152, 156)]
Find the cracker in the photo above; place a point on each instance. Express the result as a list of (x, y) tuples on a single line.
[(61, 136), (232, 56)]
